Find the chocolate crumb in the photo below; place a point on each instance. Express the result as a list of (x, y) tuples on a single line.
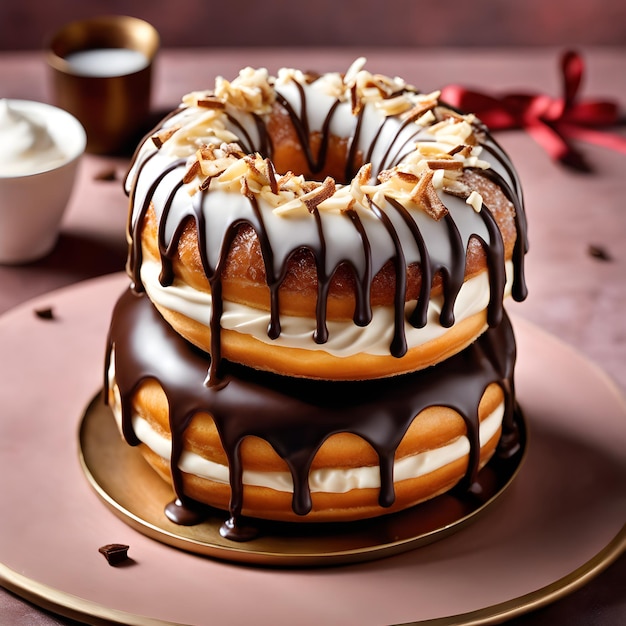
[(45, 313), (115, 553), (108, 174), (599, 252)]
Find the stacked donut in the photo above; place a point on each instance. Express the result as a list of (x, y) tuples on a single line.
[(314, 329)]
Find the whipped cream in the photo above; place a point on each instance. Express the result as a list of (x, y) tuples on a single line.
[(26, 145)]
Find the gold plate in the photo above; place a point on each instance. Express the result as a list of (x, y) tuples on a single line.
[(135, 493), (542, 540)]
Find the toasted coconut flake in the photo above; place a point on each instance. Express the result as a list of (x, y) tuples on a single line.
[(232, 149), (293, 206), (385, 176), (215, 158), (234, 170), (250, 91), (439, 177), (475, 200), (445, 113), (206, 153), (339, 202), (353, 71), (393, 106), (364, 174)]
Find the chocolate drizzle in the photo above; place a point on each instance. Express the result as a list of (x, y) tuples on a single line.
[(393, 151), (294, 415)]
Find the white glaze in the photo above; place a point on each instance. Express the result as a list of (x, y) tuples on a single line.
[(287, 230)]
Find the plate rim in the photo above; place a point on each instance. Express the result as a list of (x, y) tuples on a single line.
[(74, 607), (68, 605)]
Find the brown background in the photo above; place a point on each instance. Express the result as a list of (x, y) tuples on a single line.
[(25, 24)]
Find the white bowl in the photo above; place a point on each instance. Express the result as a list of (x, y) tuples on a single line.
[(32, 204)]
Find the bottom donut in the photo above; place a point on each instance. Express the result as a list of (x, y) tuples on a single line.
[(271, 447)]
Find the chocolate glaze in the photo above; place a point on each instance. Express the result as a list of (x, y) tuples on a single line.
[(297, 415), (394, 152)]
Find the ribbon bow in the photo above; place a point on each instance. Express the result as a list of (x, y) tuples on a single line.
[(552, 122)]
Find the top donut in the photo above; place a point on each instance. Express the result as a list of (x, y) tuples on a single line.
[(333, 226)]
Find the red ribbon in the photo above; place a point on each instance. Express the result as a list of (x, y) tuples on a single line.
[(552, 122)]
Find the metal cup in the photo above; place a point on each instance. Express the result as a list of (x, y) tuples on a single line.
[(111, 101)]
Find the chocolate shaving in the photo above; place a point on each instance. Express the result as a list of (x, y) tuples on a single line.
[(284, 179), (418, 110), (310, 76), (158, 139), (407, 176), (245, 189), (458, 189), (233, 149), (355, 101), (426, 196), (250, 162), (115, 553), (600, 253), (444, 164), (191, 172), (462, 149), (309, 185), (271, 174), (211, 103), (323, 192), (45, 313)]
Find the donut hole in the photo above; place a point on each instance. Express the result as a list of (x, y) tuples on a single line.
[(311, 157)]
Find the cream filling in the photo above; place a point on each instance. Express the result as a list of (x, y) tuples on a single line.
[(344, 338), (327, 480)]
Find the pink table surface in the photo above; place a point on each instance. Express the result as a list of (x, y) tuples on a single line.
[(573, 295)]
